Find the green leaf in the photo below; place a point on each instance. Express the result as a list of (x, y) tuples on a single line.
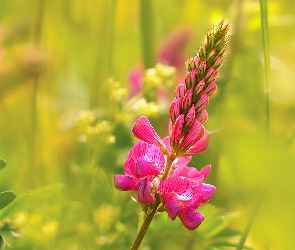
[(6, 198), (2, 242), (2, 164), (227, 232), (229, 244), (213, 227)]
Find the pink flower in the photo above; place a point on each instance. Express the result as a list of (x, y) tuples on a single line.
[(194, 141), (183, 192), (188, 109), (144, 161), (135, 80), (156, 169), (188, 137), (171, 51)]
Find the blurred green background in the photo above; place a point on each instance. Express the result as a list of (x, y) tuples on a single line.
[(67, 71)]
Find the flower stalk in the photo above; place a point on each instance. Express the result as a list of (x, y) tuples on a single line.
[(145, 225)]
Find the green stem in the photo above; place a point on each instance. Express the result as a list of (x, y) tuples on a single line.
[(265, 38), (250, 223), (170, 159), (147, 39), (141, 219), (149, 216), (133, 100), (37, 38), (146, 223)]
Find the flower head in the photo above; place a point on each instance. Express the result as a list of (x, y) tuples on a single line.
[(188, 109), (156, 169), (183, 192), (144, 161)]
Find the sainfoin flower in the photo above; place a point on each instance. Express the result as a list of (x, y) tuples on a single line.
[(144, 161), (156, 169), (188, 109), (183, 193)]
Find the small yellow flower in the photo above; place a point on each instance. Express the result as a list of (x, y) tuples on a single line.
[(50, 229)]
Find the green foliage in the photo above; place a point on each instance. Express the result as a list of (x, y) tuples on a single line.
[(2, 242), (67, 108), (6, 198), (2, 164)]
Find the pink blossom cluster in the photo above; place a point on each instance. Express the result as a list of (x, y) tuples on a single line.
[(182, 192), (156, 169)]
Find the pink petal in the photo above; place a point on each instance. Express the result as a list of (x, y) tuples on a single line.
[(190, 117), (176, 131), (175, 109), (199, 87), (180, 90), (171, 205), (174, 184), (143, 130), (200, 146), (204, 172), (202, 117), (154, 154), (190, 174), (170, 127), (137, 151), (191, 78), (182, 161), (193, 135), (187, 100), (144, 191), (207, 191), (125, 182), (192, 63), (185, 196), (211, 88), (202, 103), (129, 166), (181, 171), (202, 67), (166, 141), (213, 76), (210, 71), (217, 62), (190, 218), (144, 168)]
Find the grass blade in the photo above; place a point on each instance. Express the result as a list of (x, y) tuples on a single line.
[(265, 40)]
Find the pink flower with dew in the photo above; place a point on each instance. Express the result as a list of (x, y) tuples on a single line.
[(144, 161), (183, 192)]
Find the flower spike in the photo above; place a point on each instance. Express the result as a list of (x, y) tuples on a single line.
[(156, 169)]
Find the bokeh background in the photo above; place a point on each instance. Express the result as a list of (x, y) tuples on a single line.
[(73, 79)]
